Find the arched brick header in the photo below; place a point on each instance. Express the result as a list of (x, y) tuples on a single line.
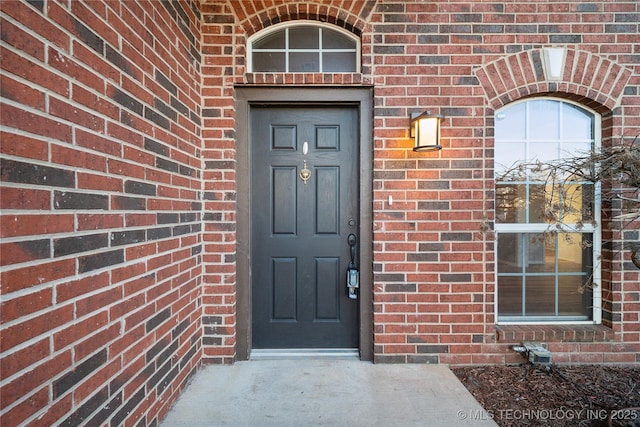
[(588, 78), (352, 19)]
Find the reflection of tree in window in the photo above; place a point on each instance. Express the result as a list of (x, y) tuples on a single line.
[(545, 227)]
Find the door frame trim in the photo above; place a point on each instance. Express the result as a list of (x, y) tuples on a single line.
[(361, 97)]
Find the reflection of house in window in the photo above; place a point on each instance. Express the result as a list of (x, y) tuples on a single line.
[(542, 269)]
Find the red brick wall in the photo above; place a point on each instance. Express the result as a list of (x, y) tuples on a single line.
[(434, 272), (101, 210), (219, 187)]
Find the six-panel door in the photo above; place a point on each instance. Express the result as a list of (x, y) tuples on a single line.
[(299, 230)]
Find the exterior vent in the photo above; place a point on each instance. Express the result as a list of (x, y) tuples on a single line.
[(534, 352)]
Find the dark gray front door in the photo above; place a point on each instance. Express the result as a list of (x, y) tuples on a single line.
[(299, 230)]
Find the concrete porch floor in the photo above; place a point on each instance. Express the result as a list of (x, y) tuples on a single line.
[(325, 392)]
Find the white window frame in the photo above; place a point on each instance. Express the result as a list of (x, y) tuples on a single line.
[(285, 26), (586, 228)]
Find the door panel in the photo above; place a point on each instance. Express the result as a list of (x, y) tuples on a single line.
[(284, 290), (328, 295), (284, 205), (327, 201), (299, 231)]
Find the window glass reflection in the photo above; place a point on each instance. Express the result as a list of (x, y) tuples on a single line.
[(510, 296), (304, 38), (338, 62), (271, 41), (335, 40), (511, 124), (510, 253), (577, 202), (508, 155), (538, 196), (547, 271), (544, 120), (540, 250), (306, 62), (574, 252), (543, 151), (511, 203), (576, 124), (267, 61), (540, 295), (574, 298), (575, 148)]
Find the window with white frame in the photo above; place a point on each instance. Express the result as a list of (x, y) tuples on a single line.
[(303, 48), (546, 264)]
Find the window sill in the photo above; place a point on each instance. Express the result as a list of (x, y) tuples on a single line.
[(553, 333)]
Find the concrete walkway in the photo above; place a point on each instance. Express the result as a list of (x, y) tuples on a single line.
[(304, 392)]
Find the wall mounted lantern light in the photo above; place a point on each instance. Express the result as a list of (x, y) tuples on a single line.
[(425, 129)]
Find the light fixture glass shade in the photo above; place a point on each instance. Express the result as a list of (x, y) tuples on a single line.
[(425, 129)]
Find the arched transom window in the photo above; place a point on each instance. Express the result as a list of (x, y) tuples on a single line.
[(303, 48)]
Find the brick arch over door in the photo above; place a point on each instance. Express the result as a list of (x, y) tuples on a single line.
[(253, 19), (590, 79)]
